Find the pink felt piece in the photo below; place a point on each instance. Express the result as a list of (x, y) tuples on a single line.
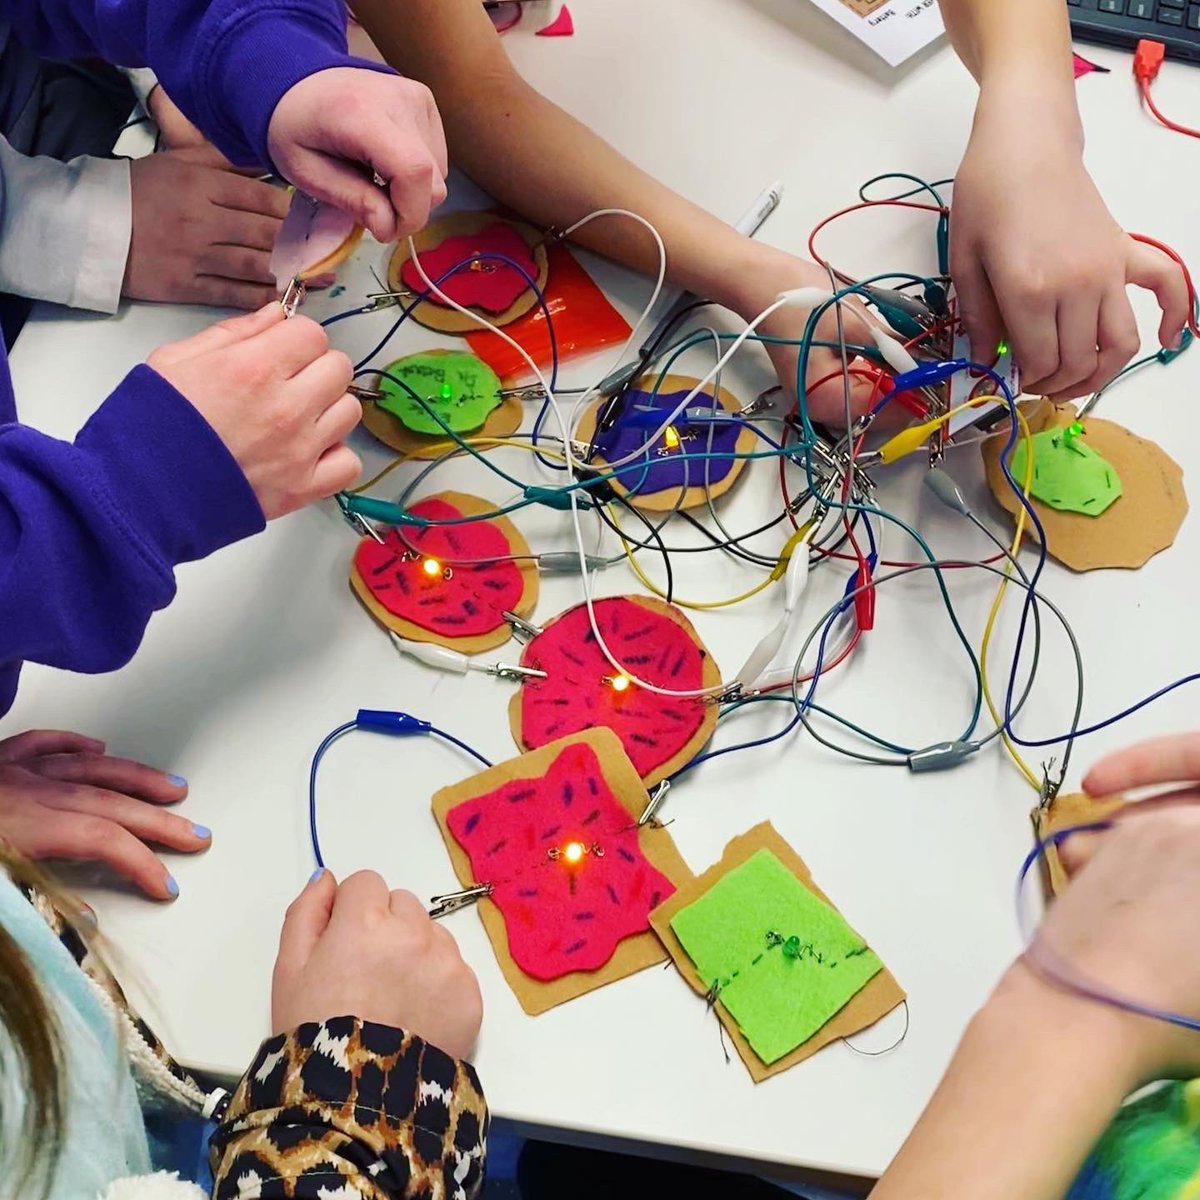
[(310, 233), (561, 26), (577, 695), (1084, 67), (560, 918), (471, 601), (489, 285)]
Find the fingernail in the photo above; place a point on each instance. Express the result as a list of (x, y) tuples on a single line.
[(316, 875), (88, 913), (202, 831), (172, 887), (177, 781)]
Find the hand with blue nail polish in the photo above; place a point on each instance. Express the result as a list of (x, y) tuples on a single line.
[(63, 797)]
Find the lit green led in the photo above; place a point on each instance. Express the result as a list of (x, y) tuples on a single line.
[(1002, 349), (447, 392)]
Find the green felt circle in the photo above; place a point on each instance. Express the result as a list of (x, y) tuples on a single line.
[(460, 388), (1067, 473)]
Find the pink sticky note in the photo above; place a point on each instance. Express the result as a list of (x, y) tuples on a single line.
[(310, 233), (1084, 67), (561, 26)]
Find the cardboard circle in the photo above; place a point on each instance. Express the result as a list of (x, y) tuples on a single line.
[(503, 421), (477, 644), (449, 320), (669, 499), (710, 678), (1144, 521)]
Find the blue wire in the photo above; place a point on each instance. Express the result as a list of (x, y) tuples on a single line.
[(1091, 991), (341, 732)]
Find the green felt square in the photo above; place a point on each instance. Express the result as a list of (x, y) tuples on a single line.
[(779, 1001)]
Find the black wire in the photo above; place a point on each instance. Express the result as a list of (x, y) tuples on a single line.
[(662, 549)]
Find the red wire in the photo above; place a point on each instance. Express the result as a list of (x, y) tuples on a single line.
[(812, 237), (1148, 100), (841, 658)]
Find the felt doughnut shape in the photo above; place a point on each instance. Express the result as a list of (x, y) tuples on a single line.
[(448, 584), (459, 388), (667, 476), (653, 641), (493, 290)]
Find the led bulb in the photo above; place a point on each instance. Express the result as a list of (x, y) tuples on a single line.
[(573, 852), (671, 437), (447, 392), (619, 683), (431, 567)]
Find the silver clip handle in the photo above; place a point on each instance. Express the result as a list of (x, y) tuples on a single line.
[(442, 906)]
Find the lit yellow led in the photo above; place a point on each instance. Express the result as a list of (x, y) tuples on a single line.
[(671, 437), (573, 852), (431, 567), (620, 683)]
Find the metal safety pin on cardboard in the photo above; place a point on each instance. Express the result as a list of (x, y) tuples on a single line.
[(656, 802), (452, 901)]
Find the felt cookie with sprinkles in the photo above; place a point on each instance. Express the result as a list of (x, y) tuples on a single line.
[(653, 642), (573, 879), (448, 583)]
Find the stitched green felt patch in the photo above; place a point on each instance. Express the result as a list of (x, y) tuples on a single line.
[(782, 960), (460, 388), (1067, 473)]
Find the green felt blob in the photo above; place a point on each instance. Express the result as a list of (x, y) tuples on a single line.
[(460, 388), (1067, 473), (1151, 1150), (783, 961)]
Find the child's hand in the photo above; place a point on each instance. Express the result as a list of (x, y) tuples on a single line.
[(1039, 261), (332, 132), (360, 950), (275, 394), (1127, 924), (62, 797)]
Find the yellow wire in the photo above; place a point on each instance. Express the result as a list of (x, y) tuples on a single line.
[(436, 449), (1024, 767), (776, 574)]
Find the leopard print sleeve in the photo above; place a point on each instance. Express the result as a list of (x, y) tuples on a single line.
[(350, 1109)]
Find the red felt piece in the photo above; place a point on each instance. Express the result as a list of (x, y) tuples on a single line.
[(469, 603), (560, 918), (652, 728), (561, 26), (489, 285)]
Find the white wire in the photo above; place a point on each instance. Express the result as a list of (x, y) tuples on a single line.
[(566, 428)]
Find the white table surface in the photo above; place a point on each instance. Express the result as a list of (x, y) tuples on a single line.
[(265, 649)]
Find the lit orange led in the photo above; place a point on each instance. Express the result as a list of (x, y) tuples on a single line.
[(431, 567), (671, 437), (620, 683), (574, 852)]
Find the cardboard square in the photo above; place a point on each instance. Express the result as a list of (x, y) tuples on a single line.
[(870, 1004), (634, 953)]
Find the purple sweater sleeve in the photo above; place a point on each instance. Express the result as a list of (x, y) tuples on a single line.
[(90, 532), (226, 63)]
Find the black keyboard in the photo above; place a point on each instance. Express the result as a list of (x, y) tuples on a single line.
[(1175, 23)]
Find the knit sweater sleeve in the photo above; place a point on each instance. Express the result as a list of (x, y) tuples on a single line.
[(349, 1108)]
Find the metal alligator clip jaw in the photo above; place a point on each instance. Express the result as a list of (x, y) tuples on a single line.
[(523, 630), (442, 906), (293, 296), (516, 673)]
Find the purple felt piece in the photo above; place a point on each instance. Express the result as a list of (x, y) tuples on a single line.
[(662, 469)]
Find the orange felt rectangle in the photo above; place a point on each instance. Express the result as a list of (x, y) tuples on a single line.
[(584, 322)]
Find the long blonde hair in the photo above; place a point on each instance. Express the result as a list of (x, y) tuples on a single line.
[(35, 1039)]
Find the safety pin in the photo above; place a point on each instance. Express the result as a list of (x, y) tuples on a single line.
[(523, 630), (656, 802), (518, 673), (453, 901), (388, 299)]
